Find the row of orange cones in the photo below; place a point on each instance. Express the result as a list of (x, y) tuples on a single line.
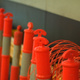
[(32, 47), (29, 43)]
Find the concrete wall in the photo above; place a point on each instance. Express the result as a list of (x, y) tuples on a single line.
[(66, 8), (56, 26), (23, 14)]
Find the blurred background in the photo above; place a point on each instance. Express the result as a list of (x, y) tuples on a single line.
[(59, 18)]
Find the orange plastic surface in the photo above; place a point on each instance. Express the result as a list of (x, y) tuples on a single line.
[(18, 36), (8, 25), (38, 32), (14, 73), (2, 16), (0, 59), (28, 38), (5, 67), (70, 66), (23, 78), (57, 49), (42, 59)]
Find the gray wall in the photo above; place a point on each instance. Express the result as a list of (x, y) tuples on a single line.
[(23, 14), (57, 27)]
